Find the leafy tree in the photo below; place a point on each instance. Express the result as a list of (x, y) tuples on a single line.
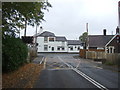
[(20, 14), (16, 15), (83, 38)]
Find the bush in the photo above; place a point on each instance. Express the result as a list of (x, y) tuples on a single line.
[(14, 53)]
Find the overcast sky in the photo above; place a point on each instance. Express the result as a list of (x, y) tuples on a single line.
[(69, 17)]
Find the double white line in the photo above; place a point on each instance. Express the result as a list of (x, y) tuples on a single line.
[(42, 60), (85, 76)]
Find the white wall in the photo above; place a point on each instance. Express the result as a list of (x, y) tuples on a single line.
[(75, 50), (55, 44)]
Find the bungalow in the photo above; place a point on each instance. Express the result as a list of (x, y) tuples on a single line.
[(74, 46), (98, 42)]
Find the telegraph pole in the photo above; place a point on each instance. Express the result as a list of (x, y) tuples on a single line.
[(119, 14), (36, 37), (87, 27), (87, 35)]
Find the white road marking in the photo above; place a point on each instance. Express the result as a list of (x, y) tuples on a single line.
[(59, 69), (98, 67), (44, 63), (42, 60), (85, 76), (78, 64)]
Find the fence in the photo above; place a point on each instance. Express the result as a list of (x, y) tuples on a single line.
[(108, 57), (114, 58), (95, 55), (82, 52)]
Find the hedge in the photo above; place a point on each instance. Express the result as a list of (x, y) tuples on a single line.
[(14, 54)]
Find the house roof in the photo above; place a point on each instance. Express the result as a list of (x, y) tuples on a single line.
[(60, 38), (112, 39), (47, 34), (74, 42), (99, 40)]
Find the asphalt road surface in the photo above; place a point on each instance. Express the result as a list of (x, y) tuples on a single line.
[(65, 71)]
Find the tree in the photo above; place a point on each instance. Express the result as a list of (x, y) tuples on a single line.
[(83, 38), (20, 14), (16, 15)]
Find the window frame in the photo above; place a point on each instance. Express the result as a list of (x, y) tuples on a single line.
[(52, 39), (45, 39)]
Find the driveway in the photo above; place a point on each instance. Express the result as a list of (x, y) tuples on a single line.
[(65, 71)]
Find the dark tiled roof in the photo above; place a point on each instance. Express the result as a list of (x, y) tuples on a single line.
[(47, 34), (98, 40), (74, 42), (60, 38)]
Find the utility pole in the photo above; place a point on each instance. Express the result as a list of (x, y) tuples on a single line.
[(35, 46), (87, 35), (36, 37), (119, 14), (25, 27), (19, 32), (87, 27)]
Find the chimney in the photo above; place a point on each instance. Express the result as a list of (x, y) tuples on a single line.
[(104, 32), (117, 30), (41, 29)]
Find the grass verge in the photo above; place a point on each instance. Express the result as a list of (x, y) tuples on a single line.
[(24, 77)]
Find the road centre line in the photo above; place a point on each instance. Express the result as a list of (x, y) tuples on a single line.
[(42, 60), (85, 76), (44, 63), (78, 64), (98, 67)]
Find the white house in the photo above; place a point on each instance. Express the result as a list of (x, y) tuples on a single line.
[(74, 46), (48, 42)]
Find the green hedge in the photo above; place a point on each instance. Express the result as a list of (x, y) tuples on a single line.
[(14, 53)]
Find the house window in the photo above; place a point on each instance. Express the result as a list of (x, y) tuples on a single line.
[(71, 48), (63, 48), (45, 47), (107, 50), (51, 39), (45, 39), (110, 50), (58, 48), (78, 48), (63, 42)]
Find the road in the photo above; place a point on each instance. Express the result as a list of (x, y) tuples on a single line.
[(65, 71)]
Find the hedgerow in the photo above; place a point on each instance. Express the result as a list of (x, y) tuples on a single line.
[(14, 53)]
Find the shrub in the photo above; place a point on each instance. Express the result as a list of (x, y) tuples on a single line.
[(14, 53)]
